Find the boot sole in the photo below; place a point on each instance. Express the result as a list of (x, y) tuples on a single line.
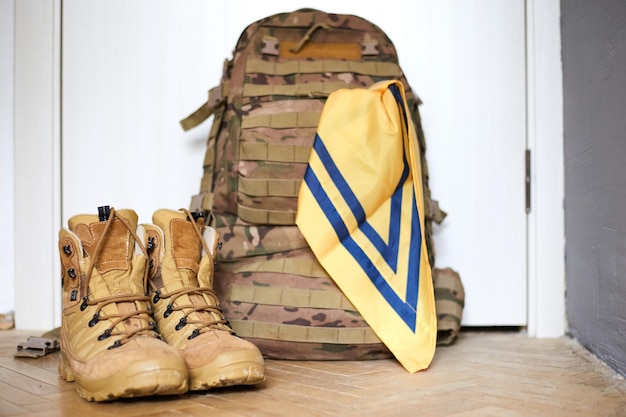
[(228, 369), (150, 377)]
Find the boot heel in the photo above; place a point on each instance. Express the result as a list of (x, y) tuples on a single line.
[(64, 370)]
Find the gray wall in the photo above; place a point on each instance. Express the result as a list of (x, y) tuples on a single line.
[(594, 81)]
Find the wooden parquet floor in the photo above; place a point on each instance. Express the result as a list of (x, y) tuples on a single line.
[(504, 374)]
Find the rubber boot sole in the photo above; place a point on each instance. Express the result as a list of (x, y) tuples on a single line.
[(164, 376), (228, 369)]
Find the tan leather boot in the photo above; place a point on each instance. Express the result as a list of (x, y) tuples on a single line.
[(186, 308), (109, 346)]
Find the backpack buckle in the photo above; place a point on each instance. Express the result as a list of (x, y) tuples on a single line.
[(369, 47), (215, 96), (270, 46)]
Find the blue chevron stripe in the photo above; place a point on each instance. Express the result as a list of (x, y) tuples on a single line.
[(389, 251), (406, 309)]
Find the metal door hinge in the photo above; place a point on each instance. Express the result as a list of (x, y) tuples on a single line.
[(528, 173)]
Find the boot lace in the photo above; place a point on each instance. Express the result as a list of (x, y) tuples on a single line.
[(142, 314), (218, 322)]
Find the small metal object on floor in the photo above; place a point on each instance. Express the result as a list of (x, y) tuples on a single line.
[(36, 347)]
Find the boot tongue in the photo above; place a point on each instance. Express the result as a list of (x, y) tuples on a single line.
[(183, 260), (183, 249), (118, 267), (114, 260)]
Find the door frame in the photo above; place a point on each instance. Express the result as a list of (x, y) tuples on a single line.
[(546, 219), (37, 163), (37, 173)]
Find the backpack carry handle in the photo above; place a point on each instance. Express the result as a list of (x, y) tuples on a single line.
[(307, 36)]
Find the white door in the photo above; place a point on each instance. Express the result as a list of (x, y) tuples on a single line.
[(133, 69), (469, 69)]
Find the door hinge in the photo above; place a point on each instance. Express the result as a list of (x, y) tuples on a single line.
[(528, 173)]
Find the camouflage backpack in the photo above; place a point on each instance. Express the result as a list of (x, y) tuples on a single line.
[(266, 108)]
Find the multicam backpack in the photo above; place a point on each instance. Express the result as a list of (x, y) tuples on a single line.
[(266, 109)]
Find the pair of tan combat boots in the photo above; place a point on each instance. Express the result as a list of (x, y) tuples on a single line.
[(140, 316)]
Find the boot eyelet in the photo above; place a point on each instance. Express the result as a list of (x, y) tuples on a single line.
[(182, 323), (195, 333), (115, 344), (157, 296), (104, 335), (73, 295), (169, 310), (71, 272), (94, 320), (67, 250), (83, 306)]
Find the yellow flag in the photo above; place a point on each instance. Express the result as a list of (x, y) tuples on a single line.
[(361, 210)]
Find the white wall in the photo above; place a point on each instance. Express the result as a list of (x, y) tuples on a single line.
[(38, 81), (133, 69), (37, 142), (7, 262)]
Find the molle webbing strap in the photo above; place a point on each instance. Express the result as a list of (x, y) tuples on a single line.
[(209, 157), (293, 333), (217, 121), (290, 297), (448, 287), (380, 69), (200, 115), (305, 267), (257, 151), (318, 89), (206, 184), (207, 202), (450, 309), (269, 187), (282, 120), (445, 294), (216, 100), (260, 216), (207, 181)]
